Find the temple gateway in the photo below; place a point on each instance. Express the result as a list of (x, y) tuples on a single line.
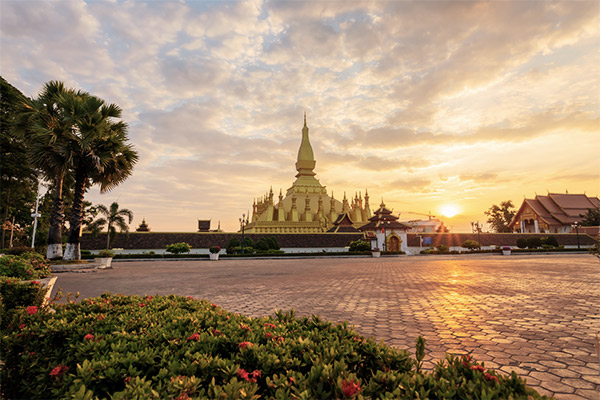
[(306, 207)]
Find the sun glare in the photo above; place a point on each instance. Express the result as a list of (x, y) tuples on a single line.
[(449, 210)]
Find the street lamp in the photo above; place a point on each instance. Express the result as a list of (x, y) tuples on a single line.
[(243, 222), (35, 217), (576, 227), (476, 227)]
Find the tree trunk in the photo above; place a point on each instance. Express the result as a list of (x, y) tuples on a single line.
[(57, 217), (108, 237), (73, 251)]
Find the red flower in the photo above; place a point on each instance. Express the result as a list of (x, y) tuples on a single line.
[(244, 345), (216, 332), (89, 336), (148, 298), (268, 325), (292, 380), (477, 368), (31, 310), (246, 327), (350, 388), (22, 326), (194, 336), (128, 379), (213, 305), (268, 335), (249, 377), (59, 370), (489, 377), (142, 304), (190, 298), (35, 283)]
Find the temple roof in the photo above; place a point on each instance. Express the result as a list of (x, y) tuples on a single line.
[(557, 209), (383, 219)]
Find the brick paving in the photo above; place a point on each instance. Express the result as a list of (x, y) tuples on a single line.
[(536, 315)]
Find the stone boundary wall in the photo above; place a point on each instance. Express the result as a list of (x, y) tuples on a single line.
[(496, 239), (159, 240)]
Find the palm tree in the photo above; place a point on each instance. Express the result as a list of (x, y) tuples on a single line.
[(115, 218), (50, 131), (101, 155)]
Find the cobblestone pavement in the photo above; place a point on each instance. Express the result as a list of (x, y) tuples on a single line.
[(536, 315)]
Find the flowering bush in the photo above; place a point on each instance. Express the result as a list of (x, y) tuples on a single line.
[(180, 348), (214, 249), (26, 266), (16, 295)]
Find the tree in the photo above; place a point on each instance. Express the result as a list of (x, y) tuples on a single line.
[(591, 217), (114, 218), (178, 248), (101, 155), (500, 216), (18, 178), (51, 129)]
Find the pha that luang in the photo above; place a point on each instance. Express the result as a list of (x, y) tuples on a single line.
[(306, 207)]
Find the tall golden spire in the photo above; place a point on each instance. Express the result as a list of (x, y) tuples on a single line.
[(306, 159)]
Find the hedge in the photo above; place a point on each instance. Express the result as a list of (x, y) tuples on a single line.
[(126, 347)]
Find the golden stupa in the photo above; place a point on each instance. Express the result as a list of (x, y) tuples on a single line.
[(306, 207)]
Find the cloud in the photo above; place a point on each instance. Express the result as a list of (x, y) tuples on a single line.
[(397, 93)]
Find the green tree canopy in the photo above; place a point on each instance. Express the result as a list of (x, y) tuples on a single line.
[(114, 218), (500, 216), (18, 178), (591, 217)]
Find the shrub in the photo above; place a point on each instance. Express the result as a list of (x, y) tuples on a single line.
[(14, 294), (178, 248), (522, 243), (173, 347), (470, 244), (86, 253), (550, 241), (214, 249), (248, 242), (17, 251), (442, 248), (360, 245), (106, 253), (25, 266), (234, 242), (534, 242), (262, 245), (273, 243)]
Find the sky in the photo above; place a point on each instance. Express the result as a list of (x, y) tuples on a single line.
[(429, 105)]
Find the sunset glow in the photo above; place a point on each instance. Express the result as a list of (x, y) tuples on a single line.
[(425, 104), (449, 210)]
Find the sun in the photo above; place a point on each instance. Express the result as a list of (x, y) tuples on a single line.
[(449, 210)]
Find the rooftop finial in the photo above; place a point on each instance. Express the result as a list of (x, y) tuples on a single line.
[(304, 118)]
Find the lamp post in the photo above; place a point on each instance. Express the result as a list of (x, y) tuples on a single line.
[(576, 227), (243, 223), (35, 217), (475, 227)]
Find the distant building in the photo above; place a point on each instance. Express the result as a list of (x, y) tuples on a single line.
[(385, 231), (143, 226), (554, 213), (432, 225), (204, 225)]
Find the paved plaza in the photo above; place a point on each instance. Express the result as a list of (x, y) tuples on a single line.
[(536, 315)]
